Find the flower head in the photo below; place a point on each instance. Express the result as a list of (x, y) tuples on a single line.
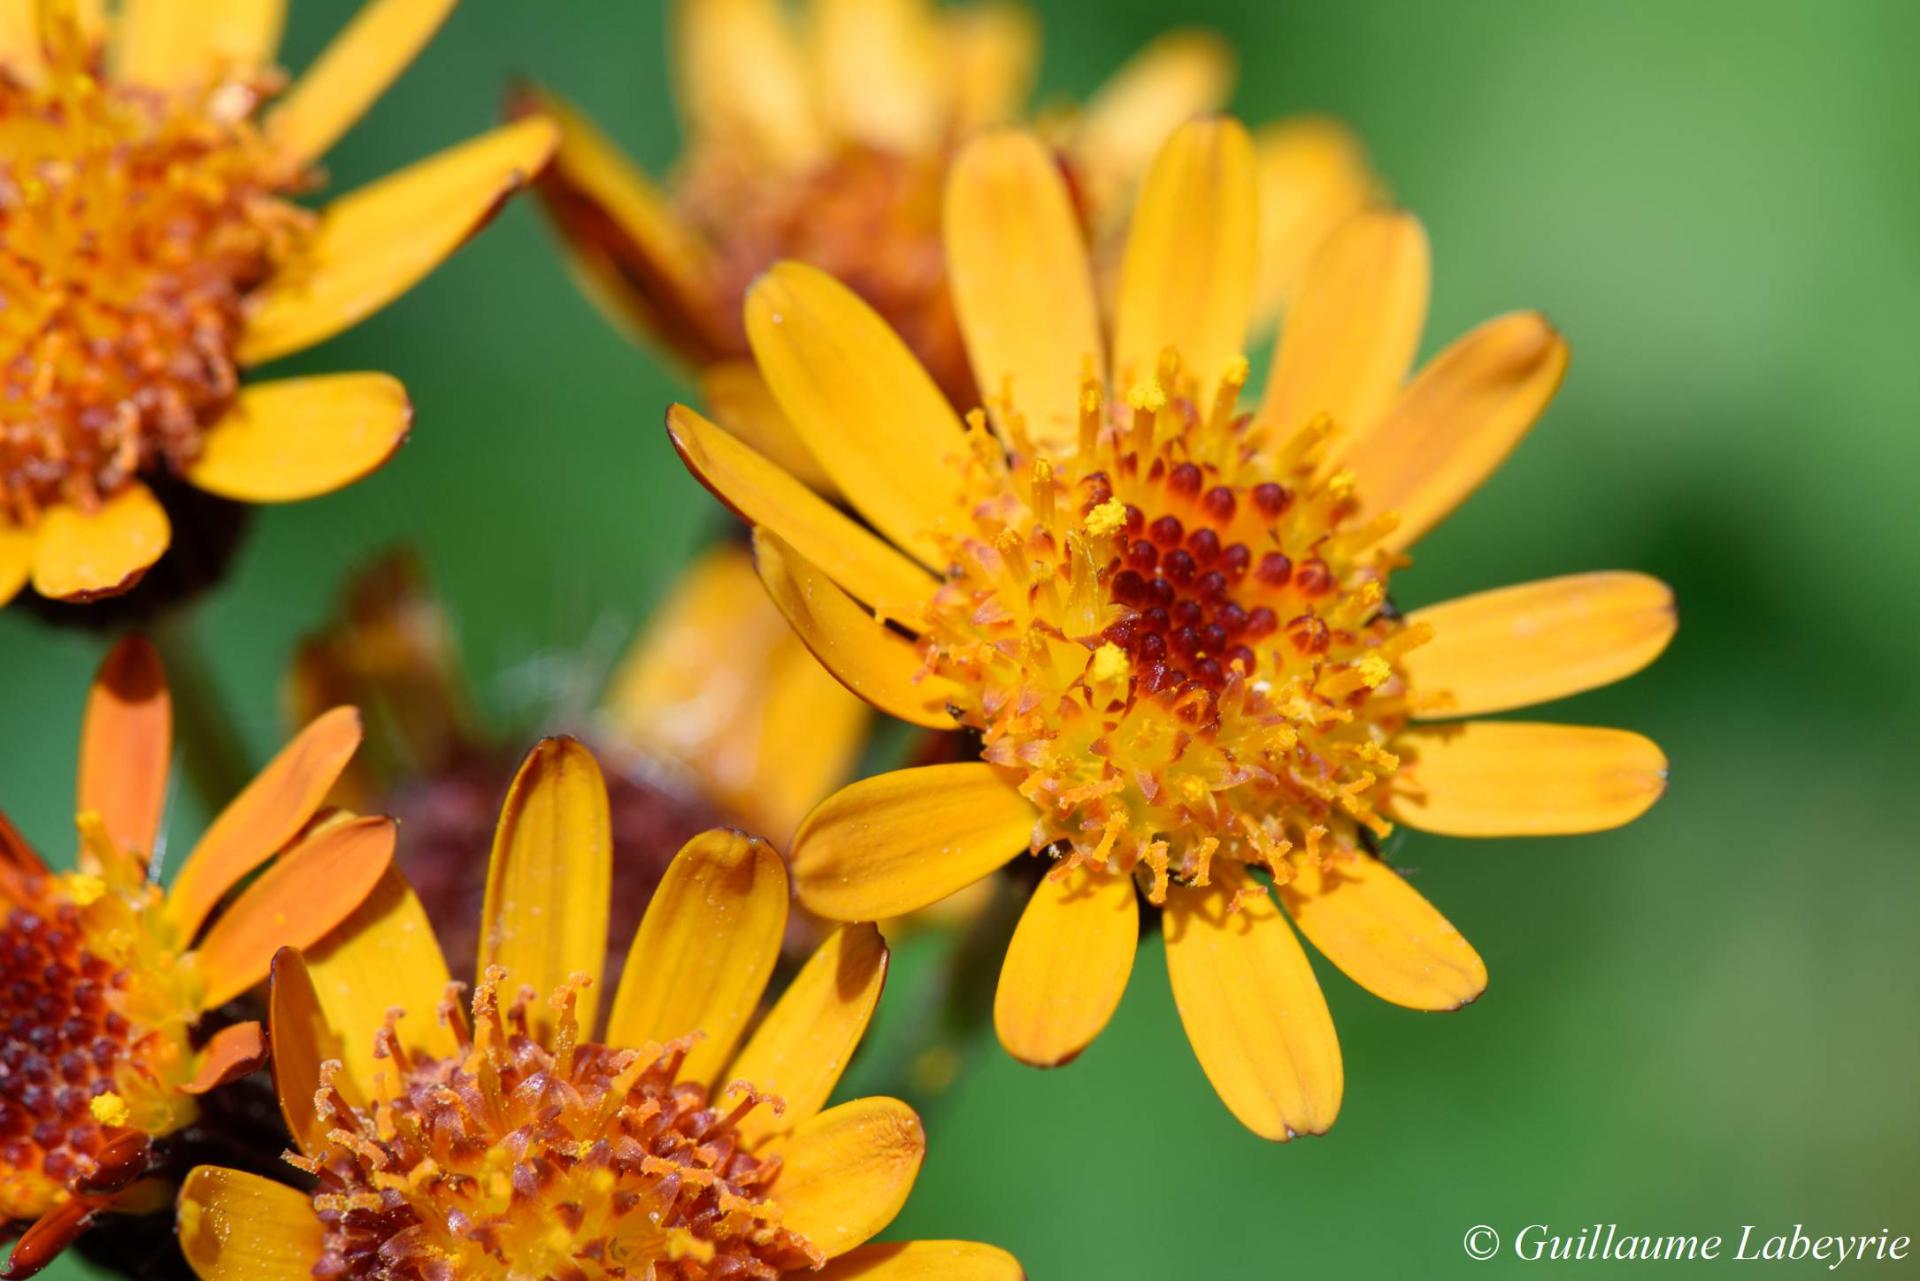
[(823, 133), (151, 249), (106, 977), (1166, 614), (527, 1135)]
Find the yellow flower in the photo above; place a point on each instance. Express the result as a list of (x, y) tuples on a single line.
[(824, 135), (112, 975), (514, 1144), (1217, 682), (150, 250)]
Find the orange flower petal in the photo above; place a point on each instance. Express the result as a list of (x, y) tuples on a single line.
[(548, 884), (877, 664), (351, 73), (16, 560), (1017, 259), (1508, 778), (704, 950), (1252, 1008), (240, 1227), (894, 843), (194, 44), (1067, 966), (799, 1051), (1178, 76), (742, 82), (294, 903), (302, 1041), (383, 957), (993, 51), (1351, 335), (1457, 422), (762, 494), (1313, 176), (719, 683), (1188, 277), (923, 1261), (1518, 646), (264, 817), (126, 743), (867, 410), (374, 244), (84, 556), (228, 1055), (647, 270), (846, 1173), (741, 402), (1383, 934), (302, 437), (877, 68)]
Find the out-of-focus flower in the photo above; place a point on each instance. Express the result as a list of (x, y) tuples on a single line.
[(150, 250), (716, 714), (824, 136), (106, 976), (1168, 617), (523, 1141)]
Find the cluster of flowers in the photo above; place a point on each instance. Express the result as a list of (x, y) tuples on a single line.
[(978, 386)]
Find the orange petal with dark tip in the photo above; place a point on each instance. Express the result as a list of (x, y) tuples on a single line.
[(1067, 966), (845, 1174), (297, 438), (89, 555), (270, 812), (48, 1236), (230, 1054), (294, 903), (126, 743)]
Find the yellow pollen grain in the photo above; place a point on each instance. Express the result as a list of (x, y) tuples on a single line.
[(85, 890), (1374, 670), (1148, 395), (110, 1109), (1107, 518), (1110, 663)]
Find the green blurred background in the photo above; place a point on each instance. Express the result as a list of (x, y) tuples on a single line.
[(1705, 1020)]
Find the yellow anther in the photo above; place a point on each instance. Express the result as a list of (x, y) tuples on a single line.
[(85, 889), (1109, 517), (1341, 484), (1373, 670), (110, 1109), (1147, 395), (1110, 664)]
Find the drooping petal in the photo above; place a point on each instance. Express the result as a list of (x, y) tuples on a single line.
[(302, 437), (1457, 422), (1180, 75), (1017, 260), (302, 1041), (229, 1054), (923, 1261), (195, 44), (550, 878), (235, 1226), (845, 1173), (16, 560), (1383, 934), (993, 51), (83, 556), (126, 743), (867, 410), (1509, 778), (1518, 646), (719, 683), (1188, 277), (20, 48), (374, 244), (1067, 966), (1351, 335), (383, 957), (634, 255), (351, 73), (704, 950), (264, 817), (1313, 176), (741, 83), (799, 1051), (762, 494), (295, 902), (877, 64), (896, 842), (1252, 1008), (877, 664), (740, 401)]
